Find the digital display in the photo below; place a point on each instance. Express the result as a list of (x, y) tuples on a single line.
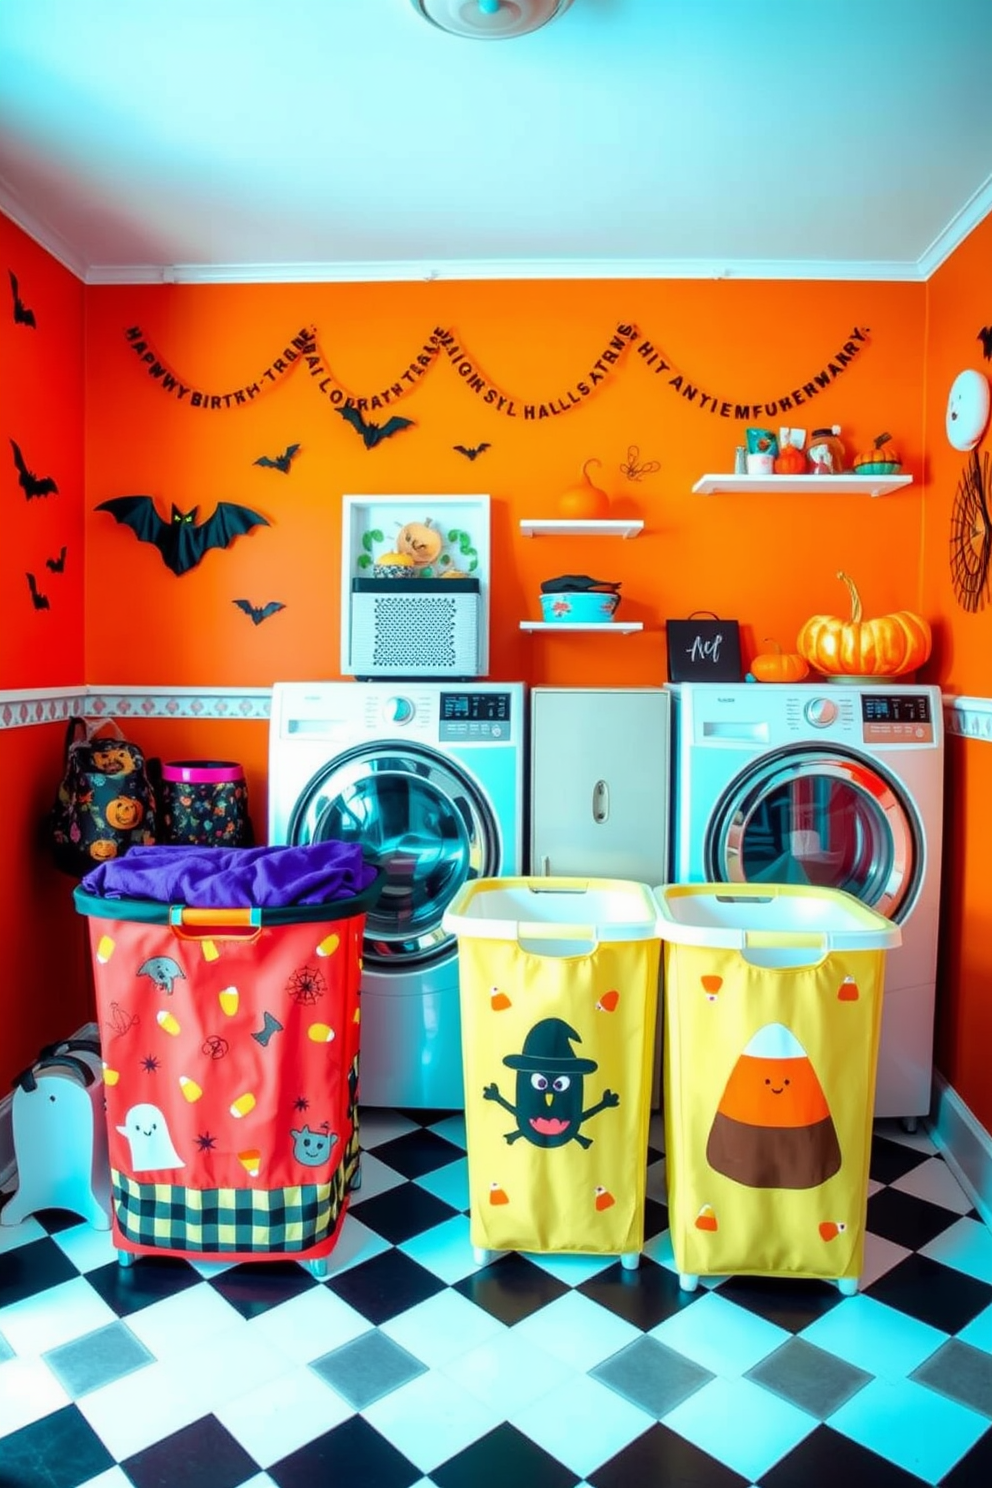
[(895, 708), (489, 707)]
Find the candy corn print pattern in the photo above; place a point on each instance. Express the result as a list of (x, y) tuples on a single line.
[(231, 1065)]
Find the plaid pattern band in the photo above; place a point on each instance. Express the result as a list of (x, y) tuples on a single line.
[(164, 1216)]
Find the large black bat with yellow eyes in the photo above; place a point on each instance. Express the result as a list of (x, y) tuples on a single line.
[(182, 541)]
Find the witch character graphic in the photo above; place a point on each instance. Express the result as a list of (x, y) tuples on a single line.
[(550, 1088)]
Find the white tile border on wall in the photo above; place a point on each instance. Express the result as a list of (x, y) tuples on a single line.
[(21, 709), (968, 717)]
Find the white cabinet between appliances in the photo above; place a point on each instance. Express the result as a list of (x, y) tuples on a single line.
[(600, 782)]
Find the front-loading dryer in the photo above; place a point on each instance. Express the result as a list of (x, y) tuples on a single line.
[(831, 786), (429, 778)]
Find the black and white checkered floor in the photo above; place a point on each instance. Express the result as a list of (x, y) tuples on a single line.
[(411, 1365)]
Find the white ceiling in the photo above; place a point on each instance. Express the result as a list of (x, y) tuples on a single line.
[(213, 140)]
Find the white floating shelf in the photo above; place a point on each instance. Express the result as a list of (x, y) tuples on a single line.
[(563, 627), (538, 527), (799, 485)]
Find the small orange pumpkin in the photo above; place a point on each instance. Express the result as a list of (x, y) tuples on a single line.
[(779, 665), (584, 502), (420, 542), (881, 459), (886, 647), (790, 461), (123, 813)]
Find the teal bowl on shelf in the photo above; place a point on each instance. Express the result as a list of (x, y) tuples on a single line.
[(580, 607)]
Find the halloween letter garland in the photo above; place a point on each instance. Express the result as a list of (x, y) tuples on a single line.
[(169, 383), (748, 412), (305, 347)]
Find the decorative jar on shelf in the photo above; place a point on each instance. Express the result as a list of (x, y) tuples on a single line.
[(825, 451)]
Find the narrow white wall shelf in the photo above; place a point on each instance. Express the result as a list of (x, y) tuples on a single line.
[(538, 527), (800, 485), (563, 627)]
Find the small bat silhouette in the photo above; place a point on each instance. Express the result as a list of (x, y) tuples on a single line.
[(57, 565), (182, 542), (985, 336), (31, 484), (22, 315), (471, 453), (40, 601), (281, 462), (372, 434), (259, 613)]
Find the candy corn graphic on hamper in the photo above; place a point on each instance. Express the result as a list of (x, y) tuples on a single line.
[(773, 1001)]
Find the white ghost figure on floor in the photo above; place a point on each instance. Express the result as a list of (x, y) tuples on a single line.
[(146, 1129)]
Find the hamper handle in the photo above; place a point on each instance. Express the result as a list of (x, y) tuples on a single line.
[(239, 917), (778, 938), (543, 930)]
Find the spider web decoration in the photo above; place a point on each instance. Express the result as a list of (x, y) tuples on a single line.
[(971, 536)]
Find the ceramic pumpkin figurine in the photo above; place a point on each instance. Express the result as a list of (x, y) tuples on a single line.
[(887, 647), (584, 502), (419, 542), (881, 458), (790, 461), (779, 665)]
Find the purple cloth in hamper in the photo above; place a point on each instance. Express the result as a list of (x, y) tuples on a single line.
[(234, 877)]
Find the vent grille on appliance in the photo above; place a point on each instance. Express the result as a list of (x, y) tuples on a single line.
[(411, 635)]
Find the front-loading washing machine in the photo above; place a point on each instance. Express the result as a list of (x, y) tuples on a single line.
[(832, 786), (429, 778)]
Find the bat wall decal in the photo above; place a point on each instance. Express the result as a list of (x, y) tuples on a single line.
[(280, 462), (40, 601), (258, 613), (985, 336), (22, 315), (470, 452), (57, 565), (31, 484), (182, 542), (373, 434)]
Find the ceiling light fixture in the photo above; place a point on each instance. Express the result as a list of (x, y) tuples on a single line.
[(489, 20)]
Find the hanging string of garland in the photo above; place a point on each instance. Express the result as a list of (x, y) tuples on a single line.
[(157, 367), (305, 348), (714, 403)]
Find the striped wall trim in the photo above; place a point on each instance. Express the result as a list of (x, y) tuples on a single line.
[(969, 717), (966, 717), (22, 709)]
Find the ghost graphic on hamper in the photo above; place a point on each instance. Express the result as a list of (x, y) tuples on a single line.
[(146, 1129)]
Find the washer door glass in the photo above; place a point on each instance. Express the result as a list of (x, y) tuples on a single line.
[(425, 823), (828, 820)]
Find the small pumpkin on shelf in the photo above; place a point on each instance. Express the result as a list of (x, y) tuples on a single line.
[(881, 458), (584, 502), (889, 646), (790, 461), (779, 665)]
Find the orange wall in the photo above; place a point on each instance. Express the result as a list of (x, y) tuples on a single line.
[(45, 987), (959, 304), (766, 560)]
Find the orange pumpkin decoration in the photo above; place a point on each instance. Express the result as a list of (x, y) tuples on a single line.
[(779, 665), (584, 502), (123, 813), (881, 459), (420, 543), (790, 461), (887, 647)]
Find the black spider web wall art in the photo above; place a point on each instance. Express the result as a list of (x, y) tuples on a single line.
[(971, 535)]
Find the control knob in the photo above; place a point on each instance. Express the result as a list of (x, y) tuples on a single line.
[(820, 712)]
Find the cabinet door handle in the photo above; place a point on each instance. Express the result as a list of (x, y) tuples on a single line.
[(600, 801)]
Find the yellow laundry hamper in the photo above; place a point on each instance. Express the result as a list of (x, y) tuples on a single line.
[(558, 981), (773, 1005)]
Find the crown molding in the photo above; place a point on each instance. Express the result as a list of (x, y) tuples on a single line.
[(502, 269), (44, 235), (954, 234)]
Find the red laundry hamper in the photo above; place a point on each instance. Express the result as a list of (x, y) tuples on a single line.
[(230, 1044)]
